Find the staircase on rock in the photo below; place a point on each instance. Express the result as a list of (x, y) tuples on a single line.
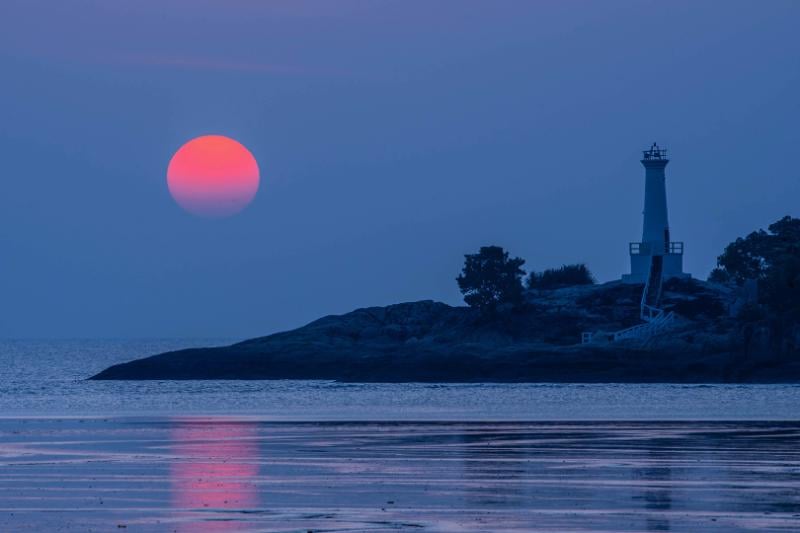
[(654, 319)]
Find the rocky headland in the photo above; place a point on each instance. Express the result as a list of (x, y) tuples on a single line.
[(539, 341)]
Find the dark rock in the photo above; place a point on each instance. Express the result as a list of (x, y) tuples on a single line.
[(432, 341)]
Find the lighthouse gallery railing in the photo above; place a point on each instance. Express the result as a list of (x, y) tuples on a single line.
[(643, 248)]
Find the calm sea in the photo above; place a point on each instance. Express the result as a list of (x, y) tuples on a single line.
[(48, 378)]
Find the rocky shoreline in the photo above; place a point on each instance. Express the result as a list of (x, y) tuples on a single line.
[(430, 341)]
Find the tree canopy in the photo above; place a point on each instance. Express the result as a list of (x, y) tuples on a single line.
[(491, 278), (772, 258), (753, 256)]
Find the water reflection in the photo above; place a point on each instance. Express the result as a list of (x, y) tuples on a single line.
[(215, 469), (657, 495), (610, 477)]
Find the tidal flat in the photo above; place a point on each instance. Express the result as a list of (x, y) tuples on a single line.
[(245, 474)]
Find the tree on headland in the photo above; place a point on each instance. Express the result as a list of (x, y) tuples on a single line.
[(753, 256), (772, 258), (780, 288), (564, 276), (491, 279), (719, 275)]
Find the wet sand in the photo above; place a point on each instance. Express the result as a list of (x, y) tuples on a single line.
[(242, 475)]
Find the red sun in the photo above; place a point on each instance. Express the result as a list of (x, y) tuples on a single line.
[(213, 176)]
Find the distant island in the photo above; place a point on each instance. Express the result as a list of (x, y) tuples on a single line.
[(741, 326), (433, 342)]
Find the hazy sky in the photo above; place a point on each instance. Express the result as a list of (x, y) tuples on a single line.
[(393, 137)]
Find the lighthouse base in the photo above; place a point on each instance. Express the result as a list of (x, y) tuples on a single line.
[(640, 264)]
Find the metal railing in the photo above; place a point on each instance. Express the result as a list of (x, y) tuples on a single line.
[(660, 322), (647, 329), (675, 247), (644, 248), (654, 319), (650, 313), (655, 153)]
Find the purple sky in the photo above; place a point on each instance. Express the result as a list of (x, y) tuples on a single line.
[(393, 137)]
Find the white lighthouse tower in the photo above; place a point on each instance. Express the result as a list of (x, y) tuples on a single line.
[(656, 257), (653, 260)]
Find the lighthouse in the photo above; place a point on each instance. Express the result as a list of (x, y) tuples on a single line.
[(656, 256)]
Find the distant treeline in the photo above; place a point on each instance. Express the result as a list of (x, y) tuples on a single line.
[(564, 276)]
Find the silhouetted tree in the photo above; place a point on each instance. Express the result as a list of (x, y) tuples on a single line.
[(719, 275), (564, 276), (780, 287), (772, 258), (751, 257), (491, 279)]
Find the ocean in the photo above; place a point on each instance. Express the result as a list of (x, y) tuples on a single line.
[(49, 379), (257, 456)]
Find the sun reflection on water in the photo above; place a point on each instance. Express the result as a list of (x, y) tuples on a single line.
[(215, 469)]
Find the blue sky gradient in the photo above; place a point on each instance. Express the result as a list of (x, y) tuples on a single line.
[(393, 137)]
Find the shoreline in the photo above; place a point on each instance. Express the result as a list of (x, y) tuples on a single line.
[(321, 401), (268, 419), (540, 341)]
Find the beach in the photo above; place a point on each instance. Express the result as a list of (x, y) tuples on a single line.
[(245, 474)]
